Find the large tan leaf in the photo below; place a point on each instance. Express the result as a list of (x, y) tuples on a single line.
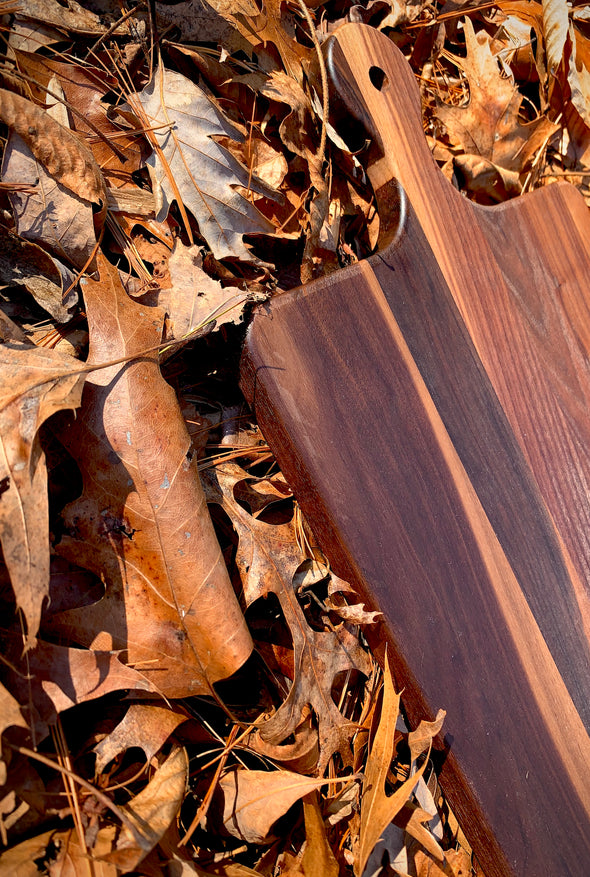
[(189, 166), (268, 557), (142, 522), (253, 800), (377, 808), (35, 384)]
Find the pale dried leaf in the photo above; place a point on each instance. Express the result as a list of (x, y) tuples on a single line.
[(10, 715), (195, 299), (274, 24), (188, 165), (145, 726), (489, 124), (556, 27), (253, 800), (69, 14), (152, 811), (73, 861), (20, 861), (142, 522), (61, 152), (35, 384), (52, 215)]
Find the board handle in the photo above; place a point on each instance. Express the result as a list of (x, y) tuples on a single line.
[(372, 81)]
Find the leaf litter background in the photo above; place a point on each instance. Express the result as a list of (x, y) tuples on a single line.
[(186, 688)]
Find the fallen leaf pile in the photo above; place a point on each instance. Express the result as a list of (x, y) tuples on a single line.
[(185, 686)]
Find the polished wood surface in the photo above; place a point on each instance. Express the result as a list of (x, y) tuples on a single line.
[(429, 407)]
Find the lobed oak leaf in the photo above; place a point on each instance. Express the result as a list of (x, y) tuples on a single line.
[(36, 383), (273, 24), (378, 809), (189, 166), (195, 299), (268, 557), (142, 522), (489, 125)]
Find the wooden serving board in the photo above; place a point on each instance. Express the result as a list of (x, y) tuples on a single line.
[(430, 407)]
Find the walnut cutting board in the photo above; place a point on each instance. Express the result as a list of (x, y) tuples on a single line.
[(430, 407)]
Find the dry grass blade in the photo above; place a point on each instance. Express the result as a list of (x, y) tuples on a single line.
[(60, 151)]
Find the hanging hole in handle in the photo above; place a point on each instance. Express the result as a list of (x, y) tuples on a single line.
[(378, 78)]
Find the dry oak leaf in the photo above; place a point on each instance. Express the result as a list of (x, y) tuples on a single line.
[(142, 522), (68, 15), (10, 717), (84, 88), (144, 726), (268, 557), (61, 152), (253, 800), (189, 166), (377, 808), (318, 858), (35, 384), (272, 25), (489, 125), (59, 677)]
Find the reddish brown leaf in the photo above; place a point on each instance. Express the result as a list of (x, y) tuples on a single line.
[(142, 521)]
